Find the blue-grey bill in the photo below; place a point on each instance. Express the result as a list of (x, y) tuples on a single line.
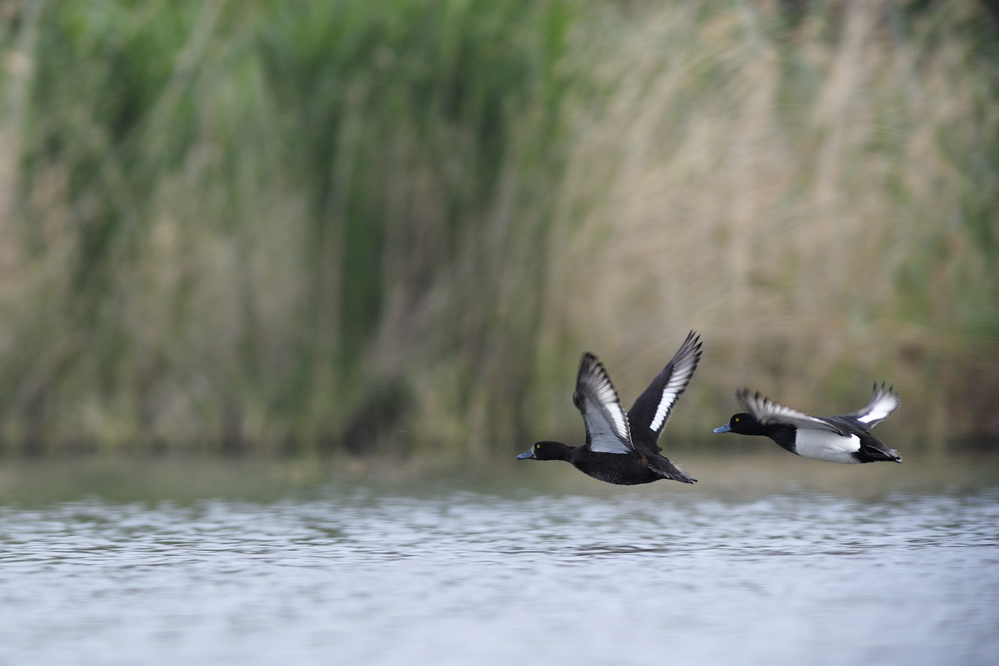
[(525, 455), (724, 428)]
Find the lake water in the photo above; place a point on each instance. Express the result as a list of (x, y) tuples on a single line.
[(543, 568)]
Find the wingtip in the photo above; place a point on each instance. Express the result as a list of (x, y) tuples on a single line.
[(691, 344), (881, 390), (881, 393), (694, 338), (589, 363), (744, 395)]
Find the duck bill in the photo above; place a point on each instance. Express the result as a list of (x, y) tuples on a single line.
[(526, 454), (722, 429)]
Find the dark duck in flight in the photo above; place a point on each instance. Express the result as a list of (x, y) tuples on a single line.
[(624, 448)]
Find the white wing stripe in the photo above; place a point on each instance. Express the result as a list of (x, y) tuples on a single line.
[(616, 414), (662, 410), (685, 362), (670, 394), (606, 422)]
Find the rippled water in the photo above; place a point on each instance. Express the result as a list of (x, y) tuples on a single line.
[(390, 576)]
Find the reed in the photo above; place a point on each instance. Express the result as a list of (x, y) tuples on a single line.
[(816, 198), (313, 226)]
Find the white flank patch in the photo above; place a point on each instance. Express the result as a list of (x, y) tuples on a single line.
[(827, 446)]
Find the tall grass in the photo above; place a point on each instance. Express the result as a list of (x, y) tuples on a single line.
[(817, 195), (306, 226)]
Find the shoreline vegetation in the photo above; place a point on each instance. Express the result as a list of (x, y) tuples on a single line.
[(350, 228)]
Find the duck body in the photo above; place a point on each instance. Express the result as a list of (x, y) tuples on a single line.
[(629, 470), (844, 439), (622, 448), (623, 469)]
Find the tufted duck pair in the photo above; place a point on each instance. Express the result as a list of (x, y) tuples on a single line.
[(623, 448)]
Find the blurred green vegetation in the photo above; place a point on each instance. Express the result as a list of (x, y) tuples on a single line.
[(314, 226)]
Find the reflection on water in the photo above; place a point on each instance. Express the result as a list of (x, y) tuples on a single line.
[(388, 576)]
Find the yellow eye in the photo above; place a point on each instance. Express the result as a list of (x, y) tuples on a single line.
[(736, 419), (537, 446)]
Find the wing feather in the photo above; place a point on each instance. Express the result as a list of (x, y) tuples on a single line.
[(654, 407), (766, 411), (607, 428), (884, 401)]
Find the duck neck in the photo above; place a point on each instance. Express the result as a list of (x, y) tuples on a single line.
[(783, 434), (566, 452)]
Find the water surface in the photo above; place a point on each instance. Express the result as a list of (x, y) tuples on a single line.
[(517, 573)]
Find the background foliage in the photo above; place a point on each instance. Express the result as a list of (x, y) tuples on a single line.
[(306, 226)]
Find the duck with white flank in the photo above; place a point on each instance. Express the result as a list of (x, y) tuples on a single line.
[(624, 448), (839, 439)]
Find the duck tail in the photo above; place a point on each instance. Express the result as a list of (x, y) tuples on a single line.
[(884, 454), (668, 470)]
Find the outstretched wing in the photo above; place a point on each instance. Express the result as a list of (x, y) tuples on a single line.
[(766, 411), (606, 423), (883, 402), (653, 408)]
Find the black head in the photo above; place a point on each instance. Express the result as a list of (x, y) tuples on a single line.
[(743, 424), (546, 451)]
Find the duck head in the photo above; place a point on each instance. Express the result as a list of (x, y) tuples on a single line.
[(742, 424), (546, 451)]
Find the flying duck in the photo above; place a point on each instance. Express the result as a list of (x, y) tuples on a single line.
[(624, 448), (840, 439)]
